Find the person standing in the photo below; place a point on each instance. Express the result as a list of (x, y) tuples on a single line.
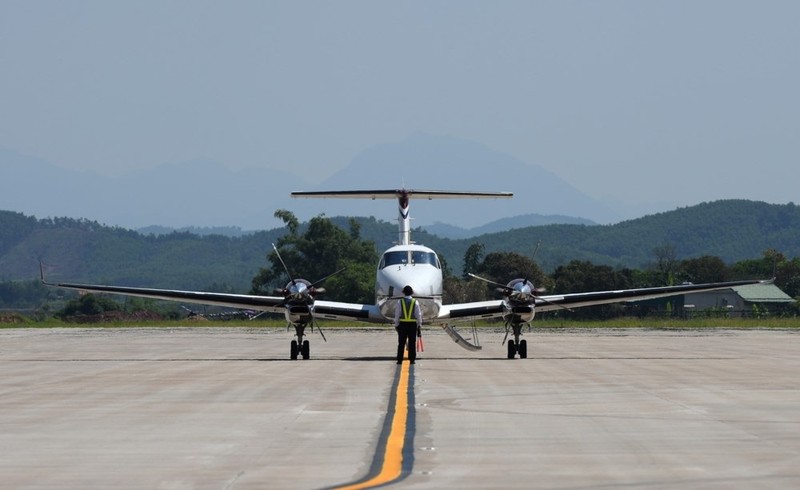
[(408, 323)]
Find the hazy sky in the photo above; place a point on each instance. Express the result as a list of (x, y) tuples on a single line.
[(678, 101)]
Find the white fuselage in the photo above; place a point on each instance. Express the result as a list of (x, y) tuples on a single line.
[(409, 265)]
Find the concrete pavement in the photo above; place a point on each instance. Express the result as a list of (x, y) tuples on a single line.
[(224, 408)]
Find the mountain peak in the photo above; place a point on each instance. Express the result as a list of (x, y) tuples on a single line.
[(426, 161)]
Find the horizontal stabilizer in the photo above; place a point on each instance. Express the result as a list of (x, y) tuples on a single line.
[(395, 193), (458, 339)]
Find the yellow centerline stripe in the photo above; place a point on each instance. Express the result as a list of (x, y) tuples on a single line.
[(392, 466)]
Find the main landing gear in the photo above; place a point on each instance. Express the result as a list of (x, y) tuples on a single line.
[(516, 346)]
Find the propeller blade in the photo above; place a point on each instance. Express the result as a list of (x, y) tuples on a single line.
[(313, 322), (505, 287), (291, 276), (329, 275), (506, 336)]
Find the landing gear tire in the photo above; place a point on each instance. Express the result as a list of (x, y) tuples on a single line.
[(306, 350), (512, 349), (523, 349), (294, 351)]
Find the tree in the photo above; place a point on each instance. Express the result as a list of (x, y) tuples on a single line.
[(89, 304), (505, 266), (666, 263), (473, 257), (320, 251), (707, 268), (583, 276), (772, 264)]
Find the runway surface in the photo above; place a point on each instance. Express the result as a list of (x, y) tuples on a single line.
[(224, 408)]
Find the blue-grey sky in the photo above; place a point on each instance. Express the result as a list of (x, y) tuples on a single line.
[(646, 101)]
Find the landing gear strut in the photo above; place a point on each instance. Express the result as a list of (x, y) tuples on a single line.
[(517, 346)]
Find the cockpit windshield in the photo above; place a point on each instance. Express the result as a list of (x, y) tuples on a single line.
[(416, 257), (394, 258), (424, 258)]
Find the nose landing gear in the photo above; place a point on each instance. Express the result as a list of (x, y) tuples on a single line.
[(516, 346), (300, 347)]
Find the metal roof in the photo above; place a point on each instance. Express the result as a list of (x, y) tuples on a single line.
[(762, 293)]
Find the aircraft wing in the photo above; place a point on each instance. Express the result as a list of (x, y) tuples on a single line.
[(335, 310), (470, 311), (495, 309), (332, 310), (245, 301), (577, 300)]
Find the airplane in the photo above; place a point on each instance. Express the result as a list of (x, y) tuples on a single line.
[(406, 263)]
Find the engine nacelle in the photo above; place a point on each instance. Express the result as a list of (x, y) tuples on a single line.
[(299, 292), (520, 301), (520, 291)]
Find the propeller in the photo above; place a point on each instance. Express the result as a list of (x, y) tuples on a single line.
[(300, 289), (520, 289)]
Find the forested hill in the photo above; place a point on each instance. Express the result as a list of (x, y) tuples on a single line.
[(80, 250), (730, 229)]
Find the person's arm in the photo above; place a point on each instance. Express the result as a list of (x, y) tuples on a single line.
[(397, 314)]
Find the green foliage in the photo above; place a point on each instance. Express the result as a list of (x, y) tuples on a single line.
[(473, 258), (500, 267), (22, 294), (583, 276), (756, 239), (322, 249), (704, 269), (89, 304)]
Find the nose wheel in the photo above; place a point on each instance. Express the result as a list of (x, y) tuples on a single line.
[(300, 349), (516, 346), (520, 347)]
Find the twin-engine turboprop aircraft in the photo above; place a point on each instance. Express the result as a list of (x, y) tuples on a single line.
[(406, 263)]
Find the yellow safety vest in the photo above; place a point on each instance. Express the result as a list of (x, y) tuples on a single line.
[(408, 311)]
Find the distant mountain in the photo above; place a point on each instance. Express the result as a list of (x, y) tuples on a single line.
[(445, 230), (205, 193), (424, 161), (194, 193)]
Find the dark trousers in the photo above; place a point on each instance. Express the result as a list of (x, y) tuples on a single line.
[(407, 334)]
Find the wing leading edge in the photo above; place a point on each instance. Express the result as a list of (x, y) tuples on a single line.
[(577, 300), (497, 308), (275, 304)]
